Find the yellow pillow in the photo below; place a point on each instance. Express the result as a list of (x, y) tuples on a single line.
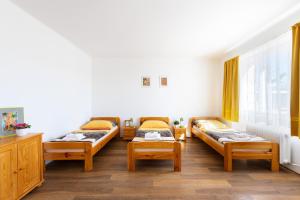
[(154, 124), (217, 124), (211, 124), (97, 125)]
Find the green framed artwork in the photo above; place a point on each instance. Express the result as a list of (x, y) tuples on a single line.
[(8, 118)]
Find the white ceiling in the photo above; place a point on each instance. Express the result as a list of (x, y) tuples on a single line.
[(155, 27)]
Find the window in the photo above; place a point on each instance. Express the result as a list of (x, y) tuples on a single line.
[(265, 83)]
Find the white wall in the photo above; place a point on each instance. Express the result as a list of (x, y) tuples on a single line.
[(273, 31), (194, 87), (42, 72)]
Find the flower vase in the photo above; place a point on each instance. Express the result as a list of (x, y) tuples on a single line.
[(22, 132)]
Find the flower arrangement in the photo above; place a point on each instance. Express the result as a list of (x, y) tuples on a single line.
[(21, 126), (179, 122), (176, 122)]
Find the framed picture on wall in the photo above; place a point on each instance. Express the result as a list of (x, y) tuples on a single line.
[(146, 81), (8, 118), (163, 81)]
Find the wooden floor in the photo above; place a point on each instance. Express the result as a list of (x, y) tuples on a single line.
[(202, 177)]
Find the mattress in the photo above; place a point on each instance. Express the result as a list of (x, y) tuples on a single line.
[(82, 150)]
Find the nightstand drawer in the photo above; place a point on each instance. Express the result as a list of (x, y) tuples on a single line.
[(180, 136), (129, 133), (180, 133)]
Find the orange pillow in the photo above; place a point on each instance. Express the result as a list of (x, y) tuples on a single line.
[(97, 125), (154, 124)]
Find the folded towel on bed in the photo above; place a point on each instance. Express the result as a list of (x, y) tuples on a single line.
[(81, 137), (73, 137), (163, 133), (152, 136)]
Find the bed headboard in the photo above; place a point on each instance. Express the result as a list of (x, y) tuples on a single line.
[(164, 119), (113, 119)]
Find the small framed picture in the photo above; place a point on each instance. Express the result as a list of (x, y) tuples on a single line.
[(127, 123), (8, 118), (163, 81), (146, 81)]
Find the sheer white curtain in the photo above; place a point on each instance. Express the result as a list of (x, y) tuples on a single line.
[(265, 83), (265, 92)]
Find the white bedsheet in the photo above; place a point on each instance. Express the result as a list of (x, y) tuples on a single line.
[(82, 150)]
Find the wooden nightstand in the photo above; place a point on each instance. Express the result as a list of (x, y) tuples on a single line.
[(128, 132), (180, 133)]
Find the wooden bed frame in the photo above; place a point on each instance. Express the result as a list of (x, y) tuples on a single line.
[(89, 149), (239, 150), (174, 154)]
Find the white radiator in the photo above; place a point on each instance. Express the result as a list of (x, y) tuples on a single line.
[(279, 135)]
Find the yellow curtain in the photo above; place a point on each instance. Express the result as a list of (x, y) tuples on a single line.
[(295, 112), (230, 107)]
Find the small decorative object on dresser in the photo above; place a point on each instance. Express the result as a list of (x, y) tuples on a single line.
[(180, 122), (128, 123), (176, 123), (129, 132), (8, 118), (179, 129), (131, 122), (22, 129)]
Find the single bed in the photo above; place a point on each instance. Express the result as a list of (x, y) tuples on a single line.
[(166, 148), (82, 150), (228, 143)]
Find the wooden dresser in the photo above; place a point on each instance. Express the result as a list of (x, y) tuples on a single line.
[(21, 165)]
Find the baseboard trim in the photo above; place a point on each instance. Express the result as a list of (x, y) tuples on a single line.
[(48, 162), (293, 167)]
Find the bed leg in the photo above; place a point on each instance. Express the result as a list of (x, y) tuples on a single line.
[(190, 126), (44, 166), (275, 158), (88, 161), (88, 164), (228, 157), (177, 157), (130, 160)]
